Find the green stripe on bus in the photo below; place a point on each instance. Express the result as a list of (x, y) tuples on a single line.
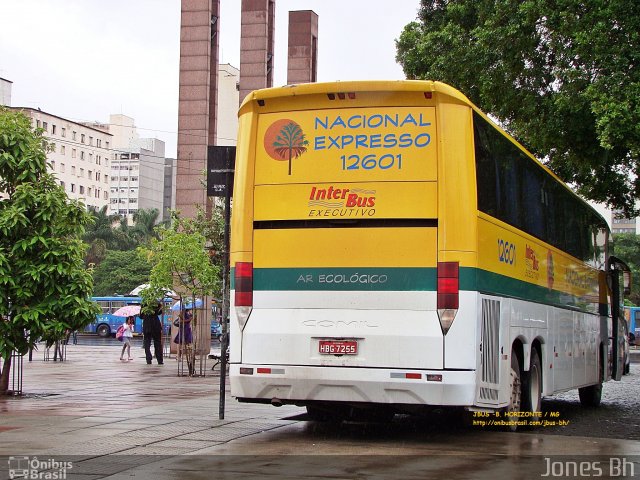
[(343, 279), (475, 279), (408, 279)]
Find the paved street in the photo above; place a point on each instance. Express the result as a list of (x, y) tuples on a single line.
[(114, 419)]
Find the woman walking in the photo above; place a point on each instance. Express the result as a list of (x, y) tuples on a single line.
[(127, 335)]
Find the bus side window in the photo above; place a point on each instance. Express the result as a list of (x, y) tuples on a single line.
[(105, 306)]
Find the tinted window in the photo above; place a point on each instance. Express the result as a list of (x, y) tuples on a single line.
[(517, 190)]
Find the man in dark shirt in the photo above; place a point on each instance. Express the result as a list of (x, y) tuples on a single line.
[(152, 330)]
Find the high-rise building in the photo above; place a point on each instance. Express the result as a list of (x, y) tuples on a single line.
[(137, 178), (5, 92), (228, 98), (137, 169), (169, 198), (622, 224), (79, 157)]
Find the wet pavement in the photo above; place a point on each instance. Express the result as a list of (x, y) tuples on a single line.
[(114, 419)]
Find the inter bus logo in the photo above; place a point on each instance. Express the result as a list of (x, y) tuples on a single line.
[(284, 140)]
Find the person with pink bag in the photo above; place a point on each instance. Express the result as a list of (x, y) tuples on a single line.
[(127, 334)]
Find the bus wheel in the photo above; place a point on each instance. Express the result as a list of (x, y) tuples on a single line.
[(103, 331), (590, 396), (532, 387), (515, 397)]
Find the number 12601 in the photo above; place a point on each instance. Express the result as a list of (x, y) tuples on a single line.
[(372, 161)]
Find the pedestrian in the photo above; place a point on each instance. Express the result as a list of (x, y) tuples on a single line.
[(129, 326), (71, 335), (184, 338), (184, 335), (152, 330)]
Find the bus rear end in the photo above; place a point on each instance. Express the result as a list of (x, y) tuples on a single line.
[(339, 294)]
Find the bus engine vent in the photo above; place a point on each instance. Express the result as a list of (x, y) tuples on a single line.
[(490, 348)]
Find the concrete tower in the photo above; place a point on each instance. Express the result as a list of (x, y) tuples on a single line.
[(199, 31), (302, 62)]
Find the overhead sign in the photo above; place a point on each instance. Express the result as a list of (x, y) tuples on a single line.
[(220, 168)]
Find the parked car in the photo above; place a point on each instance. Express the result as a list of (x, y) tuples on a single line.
[(216, 330)]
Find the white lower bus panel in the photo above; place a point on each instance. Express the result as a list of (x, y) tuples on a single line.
[(296, 384)]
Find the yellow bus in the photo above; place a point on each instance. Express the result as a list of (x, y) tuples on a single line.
[(392, 249)]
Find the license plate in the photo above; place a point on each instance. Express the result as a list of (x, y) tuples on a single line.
[(338, 347)]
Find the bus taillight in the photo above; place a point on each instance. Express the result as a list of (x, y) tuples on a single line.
[(448, 293), (244, 290), (244, 284)]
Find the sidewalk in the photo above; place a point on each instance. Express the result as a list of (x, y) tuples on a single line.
[(93, 404), (122, 420)]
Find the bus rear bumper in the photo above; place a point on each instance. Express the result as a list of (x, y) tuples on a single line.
[(299, 384)]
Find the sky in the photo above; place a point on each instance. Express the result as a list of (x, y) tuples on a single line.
[(86, 59)]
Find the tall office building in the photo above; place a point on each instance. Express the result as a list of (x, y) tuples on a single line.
[(137, 169), (137, 176), (621, 224), (169, 197), (5, 92), (228, 98)]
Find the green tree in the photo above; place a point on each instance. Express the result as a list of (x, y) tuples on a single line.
[(145, 221), (96, 252), (125, 239), (180, 262), (102, 228), (626, 246), (44, 285), (560, 76), (290, 142), (120, 272), (211, 227)]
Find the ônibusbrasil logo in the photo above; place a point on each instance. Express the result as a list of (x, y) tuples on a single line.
[(284, 140)]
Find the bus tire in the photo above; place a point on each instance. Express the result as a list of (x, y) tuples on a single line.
[(532, 387), (103, 330), (591, 396), (515, 396)]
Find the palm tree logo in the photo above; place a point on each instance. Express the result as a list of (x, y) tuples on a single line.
[(285, 140)]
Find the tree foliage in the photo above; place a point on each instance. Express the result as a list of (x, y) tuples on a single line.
[(627, 247), (120, 272), (561, 76), (211, 227), (180, 262), (44, 285), (113, 232), (145, 221), (102, 229)]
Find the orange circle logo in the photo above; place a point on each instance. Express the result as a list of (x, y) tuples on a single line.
[(284, 140)]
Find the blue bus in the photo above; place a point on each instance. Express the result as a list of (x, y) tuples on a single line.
[(632, 314), (106, 323)]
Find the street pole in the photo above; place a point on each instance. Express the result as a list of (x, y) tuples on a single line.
[(220, 172), (225, 304)]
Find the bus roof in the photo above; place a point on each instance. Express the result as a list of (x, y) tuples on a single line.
[(356, 86)]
